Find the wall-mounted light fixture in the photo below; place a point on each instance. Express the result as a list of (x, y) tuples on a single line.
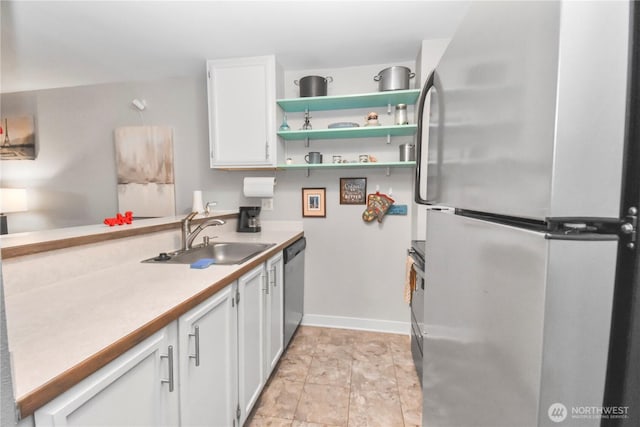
[(140, 105), (11, 200)]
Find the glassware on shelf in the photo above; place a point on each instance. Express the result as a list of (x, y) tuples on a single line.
[(401, 114), (307, 123), (284, 126)]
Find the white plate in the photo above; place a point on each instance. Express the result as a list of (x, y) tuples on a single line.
[(340, 125)]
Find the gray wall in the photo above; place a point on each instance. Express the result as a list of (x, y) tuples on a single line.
[(73, 179)]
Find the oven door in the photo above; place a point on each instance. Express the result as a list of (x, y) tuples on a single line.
[(417, 321)]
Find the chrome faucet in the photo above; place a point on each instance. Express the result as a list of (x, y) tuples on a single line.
[(188, 236)]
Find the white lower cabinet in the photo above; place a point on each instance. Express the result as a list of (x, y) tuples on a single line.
[(138, 388), (206, 369), (208, 362), (274, 313), (251, 338), (260, 329)]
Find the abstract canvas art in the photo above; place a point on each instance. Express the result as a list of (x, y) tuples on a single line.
[(144, 160), (17, 138)]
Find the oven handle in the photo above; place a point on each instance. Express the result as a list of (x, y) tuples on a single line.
[(419, 273), (418, 265)]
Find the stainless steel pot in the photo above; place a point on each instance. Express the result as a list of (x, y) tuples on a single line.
[(407, 152), (394, 78), (313, 85)]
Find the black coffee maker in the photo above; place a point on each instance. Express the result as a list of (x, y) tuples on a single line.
[(249, 221)]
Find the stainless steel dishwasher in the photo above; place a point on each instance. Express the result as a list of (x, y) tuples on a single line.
[(293, 287)]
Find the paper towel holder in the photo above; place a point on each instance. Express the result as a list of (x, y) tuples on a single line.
[(259, 186)]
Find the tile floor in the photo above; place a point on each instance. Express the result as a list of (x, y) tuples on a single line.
[(339, 377)]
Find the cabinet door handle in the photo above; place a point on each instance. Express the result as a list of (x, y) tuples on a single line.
[(169, 356), (273, 276), (196, 336)]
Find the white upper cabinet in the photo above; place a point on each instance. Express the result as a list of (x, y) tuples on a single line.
[(242, 112)]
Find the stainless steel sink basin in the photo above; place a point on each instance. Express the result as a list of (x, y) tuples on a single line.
[(223, 253)]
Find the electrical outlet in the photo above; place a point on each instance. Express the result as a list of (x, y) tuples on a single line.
[(267, 204)]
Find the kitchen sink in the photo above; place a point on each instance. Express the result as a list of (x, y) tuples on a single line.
[(223, 253)]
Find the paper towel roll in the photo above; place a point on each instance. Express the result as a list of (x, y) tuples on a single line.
[(197, 205), (259, 187)]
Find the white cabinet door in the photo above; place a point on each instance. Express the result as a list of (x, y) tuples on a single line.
[(274, 325), (138, 388), (242, 100), (208, 362), (250, 338)]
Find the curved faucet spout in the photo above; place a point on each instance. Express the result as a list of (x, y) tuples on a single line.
[(188, 236)]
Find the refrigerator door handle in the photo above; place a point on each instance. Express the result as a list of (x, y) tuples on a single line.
[(432, 82)]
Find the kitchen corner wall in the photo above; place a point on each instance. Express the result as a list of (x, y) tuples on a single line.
[(355, 270)]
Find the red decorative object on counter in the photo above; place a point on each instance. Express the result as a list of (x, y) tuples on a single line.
[(120, 219)]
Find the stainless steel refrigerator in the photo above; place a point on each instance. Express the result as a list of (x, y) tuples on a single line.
[(526, 141)]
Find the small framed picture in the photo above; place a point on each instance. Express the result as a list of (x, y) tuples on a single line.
[(17, 138), (353, 191), (313, 202)]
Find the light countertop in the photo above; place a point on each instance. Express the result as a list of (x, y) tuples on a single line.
[(56, 325), (96, 232)]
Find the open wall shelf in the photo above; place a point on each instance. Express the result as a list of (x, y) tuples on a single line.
[(356, 132), (370, 165), (344, 102)]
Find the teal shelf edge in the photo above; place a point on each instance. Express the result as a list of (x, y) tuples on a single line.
[(361, 132), (344, 102), (349, 165)]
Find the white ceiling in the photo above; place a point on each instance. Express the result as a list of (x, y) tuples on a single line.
[(47, 44)]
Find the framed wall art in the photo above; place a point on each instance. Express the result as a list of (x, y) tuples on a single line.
[(313, 202), (353, 191), (17, 138), (144, 162)]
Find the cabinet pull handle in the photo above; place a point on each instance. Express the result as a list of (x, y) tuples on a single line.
[(273, 276), (265, 283), (169, 356), (196, 335)]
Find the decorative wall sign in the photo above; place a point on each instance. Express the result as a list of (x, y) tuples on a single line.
[(144, 160), (313, 202), (17, 138), (353, 191)]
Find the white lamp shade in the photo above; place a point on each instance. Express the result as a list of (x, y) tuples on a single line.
[(13, 200)]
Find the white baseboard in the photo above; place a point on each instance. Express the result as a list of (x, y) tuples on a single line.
[(389, 326)]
